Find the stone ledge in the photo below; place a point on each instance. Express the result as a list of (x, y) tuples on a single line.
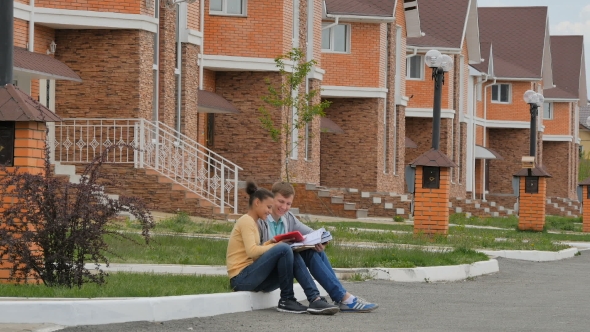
[(72, 312), (533, 255)]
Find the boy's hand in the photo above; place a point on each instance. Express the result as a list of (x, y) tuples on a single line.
[(320, 247)]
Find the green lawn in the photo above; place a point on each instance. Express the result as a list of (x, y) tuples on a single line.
[(552, 223), (127, 285)]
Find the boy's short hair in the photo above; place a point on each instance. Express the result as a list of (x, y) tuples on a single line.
[(284, 188)]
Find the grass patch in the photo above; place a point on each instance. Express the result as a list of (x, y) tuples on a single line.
[(127, 285), (180, 223), (552, 223), (557, 223), (346, 257), (166, 249)]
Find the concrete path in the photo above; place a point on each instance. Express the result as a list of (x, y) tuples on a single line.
[(523, 296)]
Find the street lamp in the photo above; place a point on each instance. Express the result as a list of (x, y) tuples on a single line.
[(440, 64), (535, 100)]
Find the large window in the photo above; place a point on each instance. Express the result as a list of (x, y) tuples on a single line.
[(415, 67), (501, 93), (228, 7), (336, 39), (548, 111)]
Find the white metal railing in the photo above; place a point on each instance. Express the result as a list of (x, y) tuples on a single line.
[(156, 146)]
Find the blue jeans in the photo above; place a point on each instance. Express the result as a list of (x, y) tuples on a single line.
[(272, 270), (322, 271)]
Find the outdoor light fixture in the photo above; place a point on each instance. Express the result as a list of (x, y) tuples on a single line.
[(440, 64), (52, 47), (535, 100)]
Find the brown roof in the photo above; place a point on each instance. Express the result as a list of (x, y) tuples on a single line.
[(16, 105), (210, 102), (361, 7), (537, 171), (36, 63), (518, 38), (433, 158), (586, 182), (329, 126), (486, 54), (566, 55), (443, 23)]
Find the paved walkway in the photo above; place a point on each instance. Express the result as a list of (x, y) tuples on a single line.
[(523, 296)]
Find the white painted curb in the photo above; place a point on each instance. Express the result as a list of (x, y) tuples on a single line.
[(533, 255), (71, 312), (429, 274)]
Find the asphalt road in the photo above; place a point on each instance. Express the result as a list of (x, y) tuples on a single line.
[(523, 296)]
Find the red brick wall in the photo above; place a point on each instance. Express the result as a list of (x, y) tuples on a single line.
[(515, 110), (240, 137), (193, 16), (265, 32), (531, 209), (21, 32), (349, 160), (114, 6), (111, 67), (560, 124), (586, 211), (511, 144), (364, 65), (431, 206), (558, 162)]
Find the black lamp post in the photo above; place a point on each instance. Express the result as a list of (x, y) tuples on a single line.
[(534, 100), (440, 64)]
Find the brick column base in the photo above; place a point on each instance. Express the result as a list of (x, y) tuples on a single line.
[(431, 206), (531, 207), (586, 210)]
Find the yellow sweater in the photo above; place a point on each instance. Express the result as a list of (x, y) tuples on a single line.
[(244, 245)]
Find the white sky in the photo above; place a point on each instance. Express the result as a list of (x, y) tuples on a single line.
[(566, 17)]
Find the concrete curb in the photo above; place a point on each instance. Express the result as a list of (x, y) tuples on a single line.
[(71, 312), (533, 255), (427, 274)]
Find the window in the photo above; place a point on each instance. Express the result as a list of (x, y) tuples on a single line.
[(228, 7), (501, 93), (415, 67), (7, 143), (336, 39), (548, 111)]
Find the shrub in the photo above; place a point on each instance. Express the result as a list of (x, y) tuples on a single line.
[(53, 227)]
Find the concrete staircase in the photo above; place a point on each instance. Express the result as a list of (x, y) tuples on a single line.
[(350, 203), (479, 208), (559, 206), (158, 191)]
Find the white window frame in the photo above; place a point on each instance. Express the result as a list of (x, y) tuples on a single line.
[(223, 11), (348, 39), (551, 111), (499, 91), (408, 67)]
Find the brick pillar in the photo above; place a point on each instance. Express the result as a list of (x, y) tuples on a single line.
[(531, 205), (29, 156), (431, 195), (431, 206), (586, 210)]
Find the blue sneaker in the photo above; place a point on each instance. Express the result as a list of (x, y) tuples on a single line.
[(358, 305)]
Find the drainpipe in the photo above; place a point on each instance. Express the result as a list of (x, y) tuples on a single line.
[(32, 28), (6, 41), (337, 19), (202, 48), (397, 85), (485, 117), (385, 108), (179, 68), (309, 57)]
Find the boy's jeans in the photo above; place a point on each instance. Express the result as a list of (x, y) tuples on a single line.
[(322, 271), (272, 270)]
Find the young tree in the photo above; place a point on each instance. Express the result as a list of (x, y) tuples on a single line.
[(51, 228), (290, 95)]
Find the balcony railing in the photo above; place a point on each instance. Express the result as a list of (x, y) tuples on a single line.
[(153, 145)]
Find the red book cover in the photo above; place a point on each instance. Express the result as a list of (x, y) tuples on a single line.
[(294, 236)]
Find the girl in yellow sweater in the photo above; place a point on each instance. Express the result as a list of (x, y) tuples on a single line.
[(255, 267)]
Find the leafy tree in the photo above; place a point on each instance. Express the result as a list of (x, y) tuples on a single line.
[(51, 228), (290, 95)]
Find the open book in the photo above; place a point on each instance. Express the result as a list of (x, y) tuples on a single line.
[(311, 239)]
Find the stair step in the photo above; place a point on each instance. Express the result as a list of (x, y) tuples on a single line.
[(337, 199), (190, 194), (163, 179), (294, 210), (310, 186), (376, 200), (362, 213), (151, 171), (324, 193), (349, 206)]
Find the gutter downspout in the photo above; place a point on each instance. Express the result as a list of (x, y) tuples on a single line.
[(202, 48), (336, 22), (309, 57), (385, 106), (397, 85), (485, 117), (178, 70), (32, 27)]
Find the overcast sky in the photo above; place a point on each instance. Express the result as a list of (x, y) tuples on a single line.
[(566, 17)]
